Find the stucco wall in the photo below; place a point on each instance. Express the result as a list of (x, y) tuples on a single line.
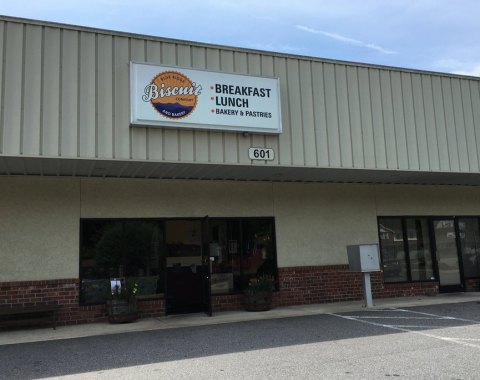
[(39, 217), (427, 200), (39, 228), (158, 198), (316, 222)]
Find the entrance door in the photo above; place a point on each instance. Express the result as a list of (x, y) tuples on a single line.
[(446, 250), (186, 269)]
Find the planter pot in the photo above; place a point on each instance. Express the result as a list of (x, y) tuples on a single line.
[(258, 301), (121, 311)]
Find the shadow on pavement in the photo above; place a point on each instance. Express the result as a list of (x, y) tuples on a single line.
[(80, 355)]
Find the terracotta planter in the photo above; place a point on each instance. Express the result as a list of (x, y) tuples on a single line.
[(258, 300), (122, 311)]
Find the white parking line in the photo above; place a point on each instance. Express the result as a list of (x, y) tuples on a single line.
[(404, 329), (440, 316), (376, 317), (469, 339), (417, 326)]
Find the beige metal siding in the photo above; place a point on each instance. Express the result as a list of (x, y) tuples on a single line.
[(121, 103), (65, 93), (32, 76), (51, 93), (12, 99), (104, 98)]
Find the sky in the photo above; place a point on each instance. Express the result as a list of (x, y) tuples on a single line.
[(433, 35)]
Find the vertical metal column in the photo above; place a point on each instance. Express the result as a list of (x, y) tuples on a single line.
[(367, 290)]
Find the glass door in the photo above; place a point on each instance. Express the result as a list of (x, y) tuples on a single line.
[(446, 250)]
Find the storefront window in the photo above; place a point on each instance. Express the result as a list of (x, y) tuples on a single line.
[(155, 254), (120, 249), (259, 249), (470, 242), (419, 251), (225, 248), (242, 249), (405, 249), (393, 250)]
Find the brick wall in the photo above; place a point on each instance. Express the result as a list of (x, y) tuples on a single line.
[(297, 286), (151, 307), (227, 302), (335, 283), (321, 284), (472, 285), (65, 293)]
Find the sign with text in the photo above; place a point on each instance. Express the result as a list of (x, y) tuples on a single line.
[(264, 154), (165, 96)]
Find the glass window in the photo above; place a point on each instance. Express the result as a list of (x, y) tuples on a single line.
[(419, 251), (259, 256), (470, 243), (243, 249), (120, 249), (147, 252), (225, 248), (392, 249)]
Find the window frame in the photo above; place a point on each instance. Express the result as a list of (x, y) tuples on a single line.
[(459, 244), (82, 246), (240, 221), (403, 222), (162, 220)]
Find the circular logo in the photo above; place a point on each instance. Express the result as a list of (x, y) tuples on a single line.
[(172, 94)]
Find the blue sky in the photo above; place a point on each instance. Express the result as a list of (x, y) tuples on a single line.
[(437, 35)]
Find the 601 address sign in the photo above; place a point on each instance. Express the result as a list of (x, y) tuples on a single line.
[(264, 154)]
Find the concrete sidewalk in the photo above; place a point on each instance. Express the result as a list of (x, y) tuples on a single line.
[(200, 319)]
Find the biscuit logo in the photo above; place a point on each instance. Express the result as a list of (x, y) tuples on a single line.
[(172, 94)]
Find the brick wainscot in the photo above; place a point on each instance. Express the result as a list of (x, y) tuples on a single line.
[(322, 284), (297, 286), (66, 293)]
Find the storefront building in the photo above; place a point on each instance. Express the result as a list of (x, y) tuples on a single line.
[(265, 164)]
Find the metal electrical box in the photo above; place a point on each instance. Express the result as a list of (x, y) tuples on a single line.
[(363, 258)]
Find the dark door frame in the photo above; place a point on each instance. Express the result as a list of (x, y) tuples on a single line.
[(206, 291), (207, 283)]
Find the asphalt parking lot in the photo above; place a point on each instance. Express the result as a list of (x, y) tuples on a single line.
[(426, 342)]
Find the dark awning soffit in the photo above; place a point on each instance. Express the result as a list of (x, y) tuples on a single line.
[(97, 168)]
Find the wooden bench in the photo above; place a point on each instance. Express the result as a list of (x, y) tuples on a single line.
[(21, 315)]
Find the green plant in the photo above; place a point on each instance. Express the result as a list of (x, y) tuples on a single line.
[(127, 292), (262, 283)]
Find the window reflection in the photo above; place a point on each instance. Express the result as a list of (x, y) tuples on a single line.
[(419, 249), (393, 250), (405, 245), (120, 249), (259, 253), (225, 248), (145, 251), (470, 243), (242, 249)]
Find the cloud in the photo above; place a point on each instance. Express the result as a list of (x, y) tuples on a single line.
[(455, 66), (473, 72), (347, 40)]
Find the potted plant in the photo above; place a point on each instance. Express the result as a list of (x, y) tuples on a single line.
[(122, 304), (258, 294)]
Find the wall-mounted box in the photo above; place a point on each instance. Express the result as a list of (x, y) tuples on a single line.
[(363, 258)]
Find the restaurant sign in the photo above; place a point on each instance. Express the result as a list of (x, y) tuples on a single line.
[(166, 96)]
